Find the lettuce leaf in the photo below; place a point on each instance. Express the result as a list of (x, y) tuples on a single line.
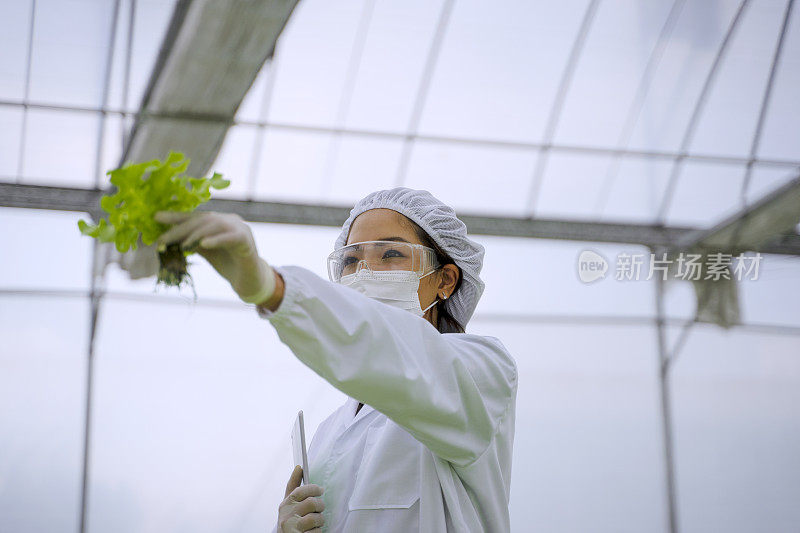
[(142, 189)]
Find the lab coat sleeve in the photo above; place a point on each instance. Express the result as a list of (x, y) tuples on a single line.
[(450, 391)]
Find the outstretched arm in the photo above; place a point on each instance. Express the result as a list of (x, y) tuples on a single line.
[(450, 391)]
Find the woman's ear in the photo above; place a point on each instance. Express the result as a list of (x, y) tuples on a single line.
[(448, 280)]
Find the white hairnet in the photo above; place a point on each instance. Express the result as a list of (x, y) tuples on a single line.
[(442, 225)]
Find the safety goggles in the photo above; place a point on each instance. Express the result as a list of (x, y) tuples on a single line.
[(379, 256)]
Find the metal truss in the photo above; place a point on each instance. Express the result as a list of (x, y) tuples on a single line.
[(652, 236)]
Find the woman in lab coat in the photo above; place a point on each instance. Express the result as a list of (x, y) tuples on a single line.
[(424, 441)]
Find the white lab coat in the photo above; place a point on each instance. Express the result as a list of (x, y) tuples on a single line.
[(430, 450)]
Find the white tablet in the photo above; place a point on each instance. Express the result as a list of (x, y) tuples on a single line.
[(299, 445)]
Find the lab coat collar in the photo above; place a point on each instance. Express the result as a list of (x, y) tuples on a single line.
[(352, 416)]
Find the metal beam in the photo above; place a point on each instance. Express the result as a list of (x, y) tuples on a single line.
[(635, 111), (765, 101), (95, 293), (752, 228), (26, 94), (558, 104), (666, 408), (422, 91), (351, 75), (382, 134), (210, 57), (88, 201), (500, 318), (699, 105)]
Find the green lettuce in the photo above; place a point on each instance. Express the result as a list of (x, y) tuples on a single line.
[(142, 189)]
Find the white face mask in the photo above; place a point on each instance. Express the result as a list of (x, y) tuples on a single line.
[(398, 288)]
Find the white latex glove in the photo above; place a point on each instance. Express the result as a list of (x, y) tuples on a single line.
[(226, 242), (301, 509), (139, 263)]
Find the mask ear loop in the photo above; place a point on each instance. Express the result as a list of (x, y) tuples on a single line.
[(437, 299)]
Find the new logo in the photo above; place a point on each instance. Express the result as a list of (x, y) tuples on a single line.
[(591, 266)]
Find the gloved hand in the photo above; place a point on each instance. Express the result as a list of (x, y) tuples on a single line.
[(301, 509), (227, 244)]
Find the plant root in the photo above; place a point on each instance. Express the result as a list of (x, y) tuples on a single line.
[(172, 270)]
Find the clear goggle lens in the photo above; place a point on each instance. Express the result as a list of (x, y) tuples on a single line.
[(379, 256)]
